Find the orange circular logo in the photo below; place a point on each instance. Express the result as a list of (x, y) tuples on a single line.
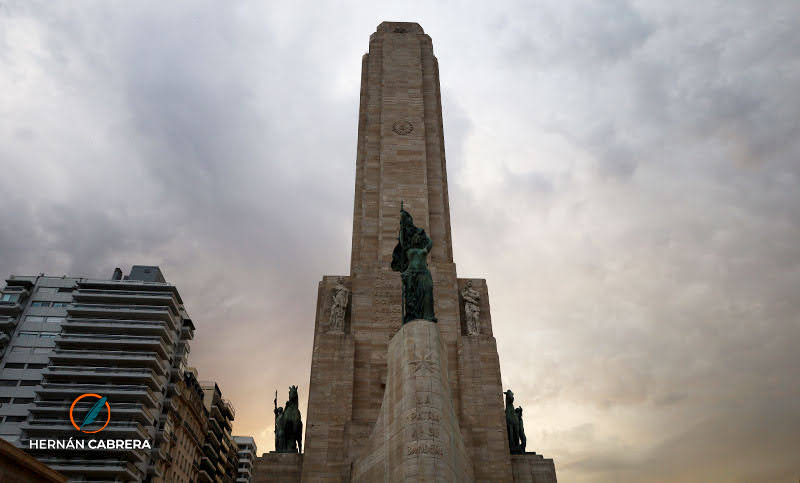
[(92, 414)]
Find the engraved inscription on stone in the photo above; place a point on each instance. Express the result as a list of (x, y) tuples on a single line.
[(427, 432), (423, 415), (403, 127), (431, 449)]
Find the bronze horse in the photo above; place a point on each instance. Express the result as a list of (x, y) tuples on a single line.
[(292, 425)]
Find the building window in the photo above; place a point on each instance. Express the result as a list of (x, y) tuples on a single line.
[(10, 297), (23, 400), (18, 348), (8, 383), (28, 383), (65, 289), (15, 365), (55, 320), (5, 400), (60, 304), (35, 366), (16, 419), (41, 350), (40, 303), (27, 338), (34, 318), (46, 290)]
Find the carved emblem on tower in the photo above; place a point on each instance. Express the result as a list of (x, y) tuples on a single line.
[(402, 127)]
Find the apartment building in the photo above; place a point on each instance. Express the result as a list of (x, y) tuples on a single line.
[(126, 339), (247, 453), (188, 424), (32, 311), (219, 459)]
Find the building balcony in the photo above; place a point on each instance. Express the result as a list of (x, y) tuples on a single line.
[(129, 411), (125, 312), (10, 308), (207, 465), (8, 322), (113, 342), (210, 451), (108, 469), (213, 440), (98, 358), (203, 476), (227, 410), (128, 297), (113, 375), (132, 285), (215, 411), (119, 326), (19, 283), (214, 426), (122, 393)]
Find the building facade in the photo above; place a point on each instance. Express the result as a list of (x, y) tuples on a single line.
[(247, 452), (32, 311), (125, 339), (188, 424), (219, 458)]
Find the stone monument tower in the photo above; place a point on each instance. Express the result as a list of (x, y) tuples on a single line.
[(420, 401)]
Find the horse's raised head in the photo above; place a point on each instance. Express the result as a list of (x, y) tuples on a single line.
[(293, 394)]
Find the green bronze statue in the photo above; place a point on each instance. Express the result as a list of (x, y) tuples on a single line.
[(410, 259), (288, 425), (515, 429)]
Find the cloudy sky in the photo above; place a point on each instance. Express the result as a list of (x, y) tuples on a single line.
[(626, 176)]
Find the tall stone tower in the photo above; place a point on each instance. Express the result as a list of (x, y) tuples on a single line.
[(400, 156)]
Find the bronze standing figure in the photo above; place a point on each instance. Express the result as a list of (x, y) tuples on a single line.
[(410, 259)]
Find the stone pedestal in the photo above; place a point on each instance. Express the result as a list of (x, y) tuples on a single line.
[(533, 468), (416, 436), (277, 468)]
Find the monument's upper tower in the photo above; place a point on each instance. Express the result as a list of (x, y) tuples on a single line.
[(400, 146)]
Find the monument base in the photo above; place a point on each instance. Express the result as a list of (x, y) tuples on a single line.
[(275, 467), (416, 436), (532, 468)]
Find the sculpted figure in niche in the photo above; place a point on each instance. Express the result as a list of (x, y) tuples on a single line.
[(339, 308), (472, 308), (410, 258)]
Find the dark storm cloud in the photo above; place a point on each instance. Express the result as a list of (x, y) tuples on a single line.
[(624, 174)]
